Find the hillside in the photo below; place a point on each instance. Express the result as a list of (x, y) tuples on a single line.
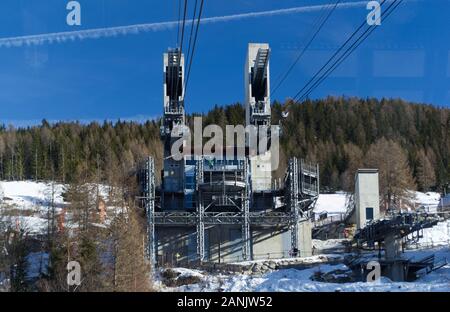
[(341, 134), (28, 206)]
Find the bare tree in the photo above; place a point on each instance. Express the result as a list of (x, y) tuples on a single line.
[(130, 268), (426, 176), (354, 157), (395, 176), (16, 249)]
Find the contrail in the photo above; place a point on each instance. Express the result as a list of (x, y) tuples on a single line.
[(96, 33)]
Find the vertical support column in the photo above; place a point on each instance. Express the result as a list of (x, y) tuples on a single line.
[(150, 209), (294, 204), (304, 238), (301, 176), (200, 230), (246, 252), (393, 251), (246, 248), (200, 226), (318, 180)]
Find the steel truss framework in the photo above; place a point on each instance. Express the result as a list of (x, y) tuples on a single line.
[(302, 189), (300, 199), (149, 200)]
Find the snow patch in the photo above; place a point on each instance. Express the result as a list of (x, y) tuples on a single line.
[(439, 235), (27, 203), (331, 203), (426, 201)]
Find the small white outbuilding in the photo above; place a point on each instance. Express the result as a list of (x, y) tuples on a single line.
[(367, 196)]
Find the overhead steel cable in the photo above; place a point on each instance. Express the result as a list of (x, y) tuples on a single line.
[(333, 56), (194, 44), (307, 45), (192, 30), (350, 50), (180, 49), (172, 76), (183, 27), (322, 14), (179, 21)]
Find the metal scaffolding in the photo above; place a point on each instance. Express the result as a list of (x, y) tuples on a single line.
[(294, 202), (257, 218), (224, 191), (298, 206), (198, 218), (246, 240), (149, 199), (302, 191)]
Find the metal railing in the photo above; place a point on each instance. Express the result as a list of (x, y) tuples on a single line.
[(191, 218), (350, 206), (308, 168), (310, 188), (329, 220), (175, 110), (222, 164), (260, 111)]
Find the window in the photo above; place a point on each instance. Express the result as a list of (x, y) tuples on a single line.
[(369, 213)]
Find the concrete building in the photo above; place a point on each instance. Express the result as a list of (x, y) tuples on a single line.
[(367, 197), (257, 110), (223, 208)]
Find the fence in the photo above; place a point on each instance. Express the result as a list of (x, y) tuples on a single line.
[(328, 220), (427, 245)]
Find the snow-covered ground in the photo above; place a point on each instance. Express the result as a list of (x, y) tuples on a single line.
[(439, 235), (29, 202), (335, 204), (331, 203), (26, 203), (28, 195), (426, 201), (299, 280), (327, 244)]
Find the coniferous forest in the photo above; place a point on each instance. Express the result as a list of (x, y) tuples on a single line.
[(408, 142)]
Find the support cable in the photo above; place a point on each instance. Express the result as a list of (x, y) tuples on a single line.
[(333, 56), (350, 50), (300, 55), (180, 50), (192, 30), (193, 46)]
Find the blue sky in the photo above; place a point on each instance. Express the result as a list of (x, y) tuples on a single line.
[(121, 77)]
